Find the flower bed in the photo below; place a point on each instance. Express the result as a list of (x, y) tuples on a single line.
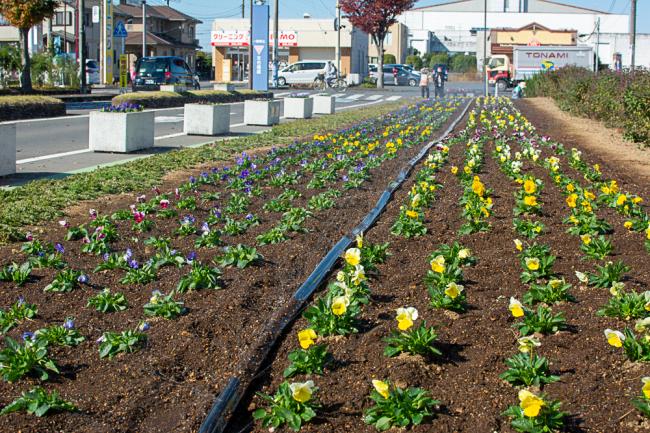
[(149, 296), (511, 300)]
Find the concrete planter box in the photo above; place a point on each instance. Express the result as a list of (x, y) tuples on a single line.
[(173, 88), (7, 149), (324, 104), (264, 113), (298, 108), (121, 132), (204, 119), (226, 87)]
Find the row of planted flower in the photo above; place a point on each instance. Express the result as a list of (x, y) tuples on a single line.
[(336, 312), (538, 412), (333, 162)]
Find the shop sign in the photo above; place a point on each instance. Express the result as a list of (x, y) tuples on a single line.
[(241, 38)]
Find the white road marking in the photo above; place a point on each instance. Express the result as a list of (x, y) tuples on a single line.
[(169, 119), (393, 98), (54, 155), (374, 97), (352, 98)]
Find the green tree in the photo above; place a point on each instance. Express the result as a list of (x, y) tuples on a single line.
[(389, 59), (438, 58), (415, 61), (463, 63), (25, 14)]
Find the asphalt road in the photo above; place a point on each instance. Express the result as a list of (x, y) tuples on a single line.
[(59, 146)]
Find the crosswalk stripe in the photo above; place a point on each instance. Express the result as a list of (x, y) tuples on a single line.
[(374, 97), (393, 98), (353, 97)]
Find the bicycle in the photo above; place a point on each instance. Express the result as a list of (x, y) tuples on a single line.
[(339, 84)]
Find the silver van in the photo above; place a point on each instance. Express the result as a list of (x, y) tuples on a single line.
[(302, 72)]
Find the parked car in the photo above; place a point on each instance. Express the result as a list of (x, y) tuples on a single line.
[(404, 76), (303, 72), (407, 68), (92, 71), (152, 72)]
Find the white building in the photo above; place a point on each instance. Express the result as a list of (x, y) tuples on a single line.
[(456, 26)]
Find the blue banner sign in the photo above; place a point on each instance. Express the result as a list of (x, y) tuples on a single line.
[(260, 47)]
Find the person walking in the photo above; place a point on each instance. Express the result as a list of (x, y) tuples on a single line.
[(439, 82), (425, 77), (395, 71)]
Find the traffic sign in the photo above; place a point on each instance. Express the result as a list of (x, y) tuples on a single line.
[(120, 30)]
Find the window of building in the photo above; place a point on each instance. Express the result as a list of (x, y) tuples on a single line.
[(59, 19), (388, 40)]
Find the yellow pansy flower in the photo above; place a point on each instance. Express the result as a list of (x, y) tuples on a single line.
[(359, 275), (627, 224), (306, 338), (518, 244), (621, 199), (570, 187), (530, 187), (411, 213), (530, 403), (478, 187), (571, 200), (516, 308), (359, 239), (586, 239), (530, 200), (454, 169), (302, 391), (532, 263), (582, 277), (340, 305), (464, 253), (453, 290), (646, 387), (438, 264), (637, 200), (405, 317), (589, 195), (381, 387), (353, 256), (528, 344), (614, 338)]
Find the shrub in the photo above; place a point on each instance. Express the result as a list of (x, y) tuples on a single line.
[(389, 58), (618, 99), (414, 61), (30, 106), (171, 99)]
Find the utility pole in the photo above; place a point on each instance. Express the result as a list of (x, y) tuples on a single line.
[(338, 39), (144, 28), (65, 26), (242, 8), (632, 34), (82, 51), (276, 43), (485, 78), (597, 46)]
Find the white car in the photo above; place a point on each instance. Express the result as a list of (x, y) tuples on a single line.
[(303, 72), (92, 71)]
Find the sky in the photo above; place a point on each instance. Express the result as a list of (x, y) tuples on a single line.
[(209, 10)]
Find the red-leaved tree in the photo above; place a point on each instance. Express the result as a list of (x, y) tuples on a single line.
[(375, 18)]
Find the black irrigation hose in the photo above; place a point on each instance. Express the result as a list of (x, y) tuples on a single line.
[(229, 399)]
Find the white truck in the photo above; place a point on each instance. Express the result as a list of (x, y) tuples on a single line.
[(506, 71)]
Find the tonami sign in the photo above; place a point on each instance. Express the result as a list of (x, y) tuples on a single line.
[(241, 38)]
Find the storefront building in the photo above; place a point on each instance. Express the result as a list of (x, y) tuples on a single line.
[(298, 39)]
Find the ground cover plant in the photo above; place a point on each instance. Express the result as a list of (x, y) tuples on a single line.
[(547, 253), (144, 283)]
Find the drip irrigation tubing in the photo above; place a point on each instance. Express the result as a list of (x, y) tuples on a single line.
[(227, 402)]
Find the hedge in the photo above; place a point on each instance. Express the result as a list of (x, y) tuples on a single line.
[(171, 99), (618, 99), (30, 107)]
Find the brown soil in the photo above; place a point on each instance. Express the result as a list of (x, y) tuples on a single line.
[(603, 143), (596, 383), (171, 383)]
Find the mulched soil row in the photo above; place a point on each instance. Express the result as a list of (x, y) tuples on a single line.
[(171, 384), (596, 382)]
